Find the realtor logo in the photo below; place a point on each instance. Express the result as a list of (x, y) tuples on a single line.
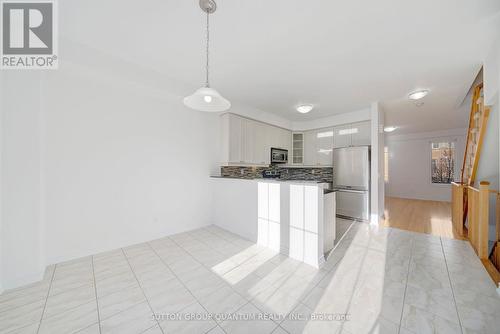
[(29, 39)]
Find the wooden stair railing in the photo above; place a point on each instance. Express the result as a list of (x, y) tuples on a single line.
[(478, 203), (478, 120), (478, 220), (495, 252), (458, 193)]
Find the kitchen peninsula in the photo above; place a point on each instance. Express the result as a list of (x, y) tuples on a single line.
[(293, 217)]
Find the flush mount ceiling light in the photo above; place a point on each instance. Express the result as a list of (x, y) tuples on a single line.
[(207, 98), (389, 128), (419, 94), (305, 108)]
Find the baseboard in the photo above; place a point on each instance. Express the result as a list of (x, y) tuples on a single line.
[(321, 261), (284, 250), (20, 281)]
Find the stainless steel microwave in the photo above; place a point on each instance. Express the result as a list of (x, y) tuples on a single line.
[(279, 156)]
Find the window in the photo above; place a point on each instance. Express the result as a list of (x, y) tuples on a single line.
[(442, 162)]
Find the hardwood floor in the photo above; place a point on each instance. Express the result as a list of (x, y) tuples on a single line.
[(431, 217)]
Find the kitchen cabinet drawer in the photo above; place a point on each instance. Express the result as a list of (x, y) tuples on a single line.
[(353, 204)]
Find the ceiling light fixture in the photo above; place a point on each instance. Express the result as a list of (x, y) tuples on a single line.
[(389, 128), (419, 94), (305, 108), (207, 98)]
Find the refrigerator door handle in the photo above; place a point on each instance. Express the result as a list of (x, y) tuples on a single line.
[(352, 191)]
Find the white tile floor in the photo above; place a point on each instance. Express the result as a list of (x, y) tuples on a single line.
[(383, 280), (342, 225)]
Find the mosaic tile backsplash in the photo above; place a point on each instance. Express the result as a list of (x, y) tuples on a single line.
[(311, 174)]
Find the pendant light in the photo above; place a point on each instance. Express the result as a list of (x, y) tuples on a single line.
[(207, 98)]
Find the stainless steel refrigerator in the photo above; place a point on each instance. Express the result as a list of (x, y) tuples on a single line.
[(351, 179)]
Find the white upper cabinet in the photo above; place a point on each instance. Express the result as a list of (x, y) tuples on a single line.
[(279, 138), (355, 134), (318, 145), (342, 136), (248, 139), (362, 136), (324, 147), (261, 153), (286, 140), (249, 142), (235, 131), (310, 148)]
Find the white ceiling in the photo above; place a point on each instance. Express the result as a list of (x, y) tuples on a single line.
[(273, 55)]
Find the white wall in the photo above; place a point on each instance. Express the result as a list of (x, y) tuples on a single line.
[(488, 168), (2, 103), (339, 119), (260, 115), (123, 164), (21, 192), (410, 164), (491, 67), (93, 162), (270, 118), (377, 190), (489, 165)]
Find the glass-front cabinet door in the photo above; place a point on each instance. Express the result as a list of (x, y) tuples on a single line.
[(298, 148)]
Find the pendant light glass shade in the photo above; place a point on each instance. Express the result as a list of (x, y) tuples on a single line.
[(207, 99)]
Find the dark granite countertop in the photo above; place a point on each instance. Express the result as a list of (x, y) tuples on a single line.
[(325, 191), (232, 177), (266, 179)]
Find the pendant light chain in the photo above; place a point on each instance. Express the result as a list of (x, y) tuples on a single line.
[(207, 83)]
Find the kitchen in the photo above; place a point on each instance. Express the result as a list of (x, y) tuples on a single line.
[(296, 192)]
